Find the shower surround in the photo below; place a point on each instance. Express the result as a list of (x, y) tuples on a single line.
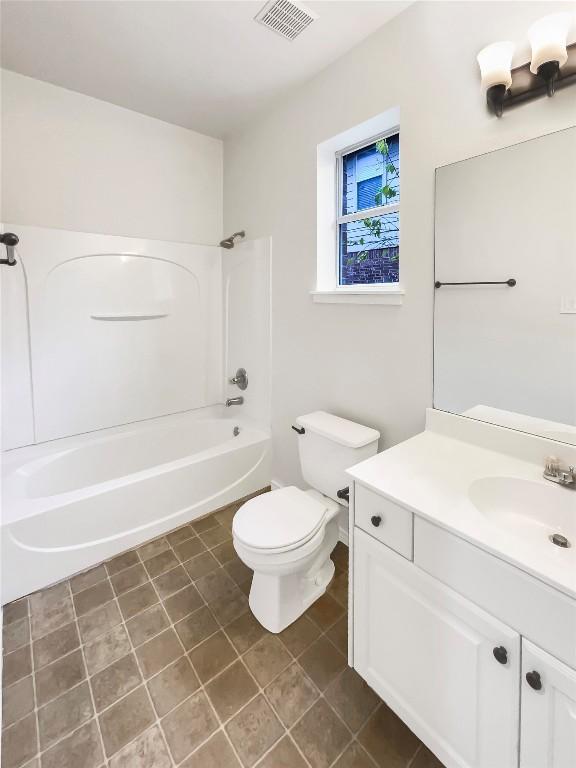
[(115, 355)]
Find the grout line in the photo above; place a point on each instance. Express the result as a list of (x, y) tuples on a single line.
[(202, 688), (156, 722), (412, 760), (22, 645), (239, 657), (202, 685), (33, 668), (260, 692), (143, 682), (149, 578), (97, 721), (82, 645)]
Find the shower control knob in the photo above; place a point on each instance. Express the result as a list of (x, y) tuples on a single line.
[(500, 654), (376, 520), (240, 379), (534, 680)]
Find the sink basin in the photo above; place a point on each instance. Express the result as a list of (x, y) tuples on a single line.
[(528, 509)]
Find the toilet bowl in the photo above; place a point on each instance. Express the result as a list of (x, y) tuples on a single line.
[(286, 536)]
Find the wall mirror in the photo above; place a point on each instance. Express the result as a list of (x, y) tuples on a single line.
[(505, 331)]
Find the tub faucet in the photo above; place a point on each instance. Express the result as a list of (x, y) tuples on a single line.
[(234, 401)]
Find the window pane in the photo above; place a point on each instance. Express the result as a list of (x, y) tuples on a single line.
[(369, 250), (371, 176)]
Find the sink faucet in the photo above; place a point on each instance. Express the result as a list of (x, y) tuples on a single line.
[(234, 401), (557, 474)]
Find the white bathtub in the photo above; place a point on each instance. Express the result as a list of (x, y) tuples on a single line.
[(71, 503)]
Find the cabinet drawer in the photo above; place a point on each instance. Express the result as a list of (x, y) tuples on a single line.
[(535, 610), (383, 520)]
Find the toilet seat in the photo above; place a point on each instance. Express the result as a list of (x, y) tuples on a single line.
[(279, 521)]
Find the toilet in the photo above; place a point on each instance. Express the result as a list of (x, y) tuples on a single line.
[(286, 536)]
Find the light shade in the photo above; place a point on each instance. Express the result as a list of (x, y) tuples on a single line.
[(495, 62), (548, 38)]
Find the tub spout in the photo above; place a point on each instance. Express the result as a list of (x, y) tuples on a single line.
[(234, 401)]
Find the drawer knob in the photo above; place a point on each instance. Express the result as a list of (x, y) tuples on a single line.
[(500, 654), (376, 520), (534, 680)]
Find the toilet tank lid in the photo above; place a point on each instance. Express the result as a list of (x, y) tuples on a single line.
[(341, 431)]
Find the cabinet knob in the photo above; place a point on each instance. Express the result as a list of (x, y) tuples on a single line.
[(534, 680), (500, 654), (376, 520)]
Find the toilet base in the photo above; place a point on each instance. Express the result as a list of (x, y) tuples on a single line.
[(278, 600)]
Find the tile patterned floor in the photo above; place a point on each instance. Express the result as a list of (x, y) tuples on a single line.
[(153, 660)]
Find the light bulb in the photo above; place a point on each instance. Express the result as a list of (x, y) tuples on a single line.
[(548, 38), (495, 62)]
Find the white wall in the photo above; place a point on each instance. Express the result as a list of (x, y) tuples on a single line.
[(372, 363), (73, 162)]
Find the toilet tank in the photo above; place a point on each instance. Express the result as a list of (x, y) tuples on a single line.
[(329, 446)]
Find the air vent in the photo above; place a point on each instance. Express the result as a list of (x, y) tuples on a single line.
[(286, 18)]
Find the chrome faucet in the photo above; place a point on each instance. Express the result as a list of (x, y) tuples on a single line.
[(557, 474), (234, 401)]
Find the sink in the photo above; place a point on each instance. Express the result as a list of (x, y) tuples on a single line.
[(528, 509)]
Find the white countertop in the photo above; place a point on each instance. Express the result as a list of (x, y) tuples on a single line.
[(430, 475)]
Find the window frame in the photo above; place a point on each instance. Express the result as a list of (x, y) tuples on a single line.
[(378, 210)]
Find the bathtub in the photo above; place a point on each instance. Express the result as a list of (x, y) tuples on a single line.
[(71, 503)]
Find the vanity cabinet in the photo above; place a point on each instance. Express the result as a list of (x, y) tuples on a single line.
[(447, 668), (548, 726), (462, 611)]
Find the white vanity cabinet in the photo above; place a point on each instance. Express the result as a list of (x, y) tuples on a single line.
[(442, 639), (548, 726), (429, 653)]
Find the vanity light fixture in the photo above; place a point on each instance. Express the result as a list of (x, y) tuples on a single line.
[(553, 65), (548, 38), (495, 63)]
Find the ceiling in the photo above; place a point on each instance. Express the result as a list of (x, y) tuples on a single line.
[(202, 64)]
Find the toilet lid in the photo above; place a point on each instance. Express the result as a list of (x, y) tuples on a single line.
[(278, 519)]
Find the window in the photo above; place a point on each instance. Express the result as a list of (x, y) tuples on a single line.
[(357, 214), (368, 212)]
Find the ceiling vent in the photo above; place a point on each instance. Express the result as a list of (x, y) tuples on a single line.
[(286, 18)]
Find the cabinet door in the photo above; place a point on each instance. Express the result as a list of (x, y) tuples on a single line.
[(548, 724), (429, 653)]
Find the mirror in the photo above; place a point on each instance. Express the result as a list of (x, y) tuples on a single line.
[(505, 352)]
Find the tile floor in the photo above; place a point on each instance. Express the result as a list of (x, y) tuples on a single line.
[(153, 660)]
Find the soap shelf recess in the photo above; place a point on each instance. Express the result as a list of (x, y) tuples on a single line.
[(127, 316)]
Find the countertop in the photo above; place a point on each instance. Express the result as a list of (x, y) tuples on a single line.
[(430, 474)]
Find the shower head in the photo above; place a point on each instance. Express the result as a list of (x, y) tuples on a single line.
[(229, 241)]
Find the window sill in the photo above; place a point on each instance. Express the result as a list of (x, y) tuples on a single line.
[(393, 297)]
